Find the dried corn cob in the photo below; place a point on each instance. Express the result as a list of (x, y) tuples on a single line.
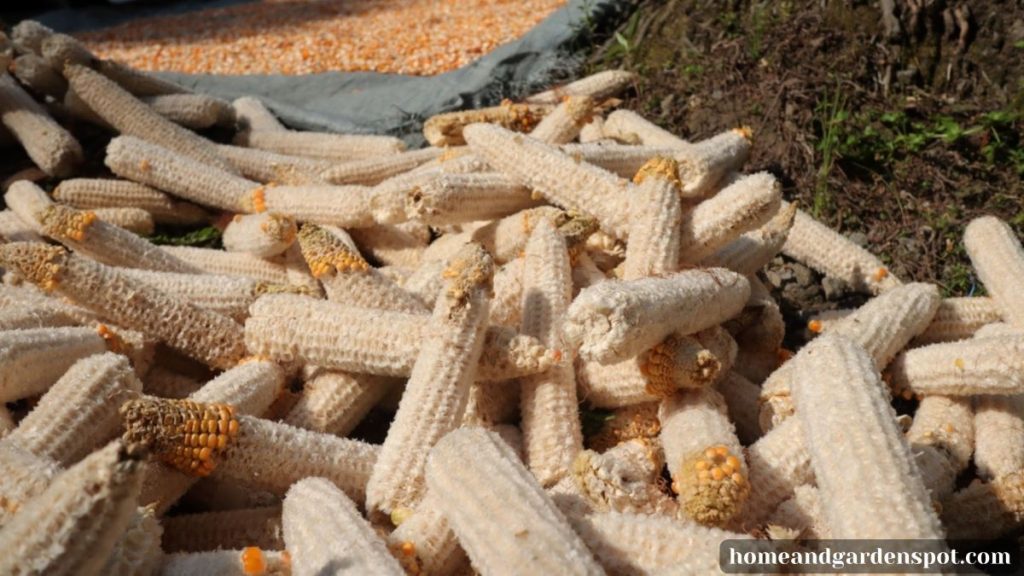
[(985, 510), (28, 35), (248, 561), (263, 235), (22, 318), (705, 164), (49, 145), (60, 49), (454, 198), (743, 406), (492, 403), (942, 436), (27, 200), (253, 115), (137, 552), (29, 296), (186, 435), (231, 263), (32, 360), (24, 476), (392, 245), (371, 171), (556, 176), (79, 412), (998, 329), (270, 167), (749, 253), (321, 145), (704, 457), (34, 72), (598, 86), (616, 320), (998, 257), (134, 220), (502, 517), (446, 129), (325, 532), (957, 319), (193, 111), (592, 131), (343, 206), (991, 365), (802, 512), (73, 526), (206, 336), (335, 402), (550, 416), (227, 529), (563, 123), (166, 383), (14, 229), (90, 193), (507, 303), (856, 447), (618, 159), (656, 229), (999, 435), (435, 395), (227, 295), (630, 127), (424, 542), (623, 479), (778, 463)]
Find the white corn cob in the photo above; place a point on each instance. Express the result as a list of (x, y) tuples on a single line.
[(628, 126), (344, 206), (22, 318), (253, 115), (454, 198), (507, 303), (802, 512), (194, 111), (335, 402), (435, 395), (224, 529), (137, 552), (985, 510), (883, 326), (707, 163), (29, 296), (492, 403), (24, 476), (446, 129), (227, 295), (778, 462), (506, 238), (32, 360), (132, 117), (941, 437), (321, 145), (231, 263), (37, 74), (425, 282), (741, 400), (998, 257), (598, 86), (270, 167), (550, 413), (957, 319), (245, 562), (623, 479), (324, 532), (60, 49), (616, 320), (73, 526), (618, 159), (334, 260), (49, 145), (390, 244), (135, 220), (14, 229), (27, 200), (28, 35), (90, 193), (704, 456), (834, 255), (999, 435), (371, 171), (749, 253), (856, 448), (424, 541), (166, 383), (656, 230), (592, 131), (991, 365), (563, 123), (206, 336), (502, 517), (744, 205), (998, 329), (262, 235), (556, 176), (79, 412)]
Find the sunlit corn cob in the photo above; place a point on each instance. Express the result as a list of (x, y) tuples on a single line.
[(563, 123), (14, 229), (743, 406), (802, 512), (998, 257), (454, 198), (153, 165), (227, 295), (592, 131), (390, 244), (134, 220), (856, 448), (598, 86), (324, 532), (29, 296), (425, 282), (446, 129), (985, 510), (335, 402), (632, 128), (753, 250), (991, 365), (688, 362), (371, 171), (32, 360), (507, 302), (263, 235), (998, 435), (347, 278), (373, 341), (705, 164), (252, 115), (957, 319), (556, 176), (225, 529), (424, 542), (166, 383), (193, 111), (37, 74), (505, 238), (133, 117), (656, 229), (47, 143), (79, 412), (618, 159), (704, 457), (204, 335), (231, 264), (778, 462), (942, 437), (435, 395), (550, 415), (106, 243), (623, 479), (999, 329), (137, 552), (613, 321), (91, 193), (22, 318), (502, 517), (492, 403), (249, 561), (834, 255), (344, 206), (73, 526), (23, 476), (321, 145), (28, 201), (270, 167)]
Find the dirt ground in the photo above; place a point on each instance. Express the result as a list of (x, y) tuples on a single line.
[(897, 135)]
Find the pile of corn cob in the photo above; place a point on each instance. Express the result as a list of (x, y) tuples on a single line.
[(516, 273)]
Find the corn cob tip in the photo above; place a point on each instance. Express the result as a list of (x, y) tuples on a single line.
[(660, 365), (183, 434), (471, 267), (746, 131), (580, 108), (576, 228), (279, 227), (66, 222), (37, 262), (258, 199), (713, 485), (659, 167), (114, 342), (326, 254)]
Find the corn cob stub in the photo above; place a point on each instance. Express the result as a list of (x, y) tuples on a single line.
[(186, 435)]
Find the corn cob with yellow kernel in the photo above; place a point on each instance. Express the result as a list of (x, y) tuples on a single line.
[(423, 540), (252, 115), (656, 231), (249, 561), (262, 235), (220, 262), (630, 127), (989, 365), (623, 479), (321, 145), (597, 86), (324, 531), (502, 517), (79, 412), (985, 510), (435, 395), (563, 123), (204, 335), (73, 526), (706, 164), (942, 437), (998, 258), (52, 148), (31, 360), (372, 171), (93, 193), (225, 529), (272, 168), (998, 435), (856, 448), (335, 402), (612, 321), (446, 129), (618, 159)]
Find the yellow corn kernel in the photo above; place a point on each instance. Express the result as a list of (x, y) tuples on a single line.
[(183, 434)]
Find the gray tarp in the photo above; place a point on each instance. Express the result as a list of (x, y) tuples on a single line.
[(367, 102)]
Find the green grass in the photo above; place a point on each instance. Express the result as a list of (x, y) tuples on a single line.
[(208, 237), (832, 114)]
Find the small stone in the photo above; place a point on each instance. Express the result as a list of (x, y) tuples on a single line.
[(859, 238), (834, 288), (802, 274)]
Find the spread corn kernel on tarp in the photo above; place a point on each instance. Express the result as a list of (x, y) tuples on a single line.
[(373, 102)]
